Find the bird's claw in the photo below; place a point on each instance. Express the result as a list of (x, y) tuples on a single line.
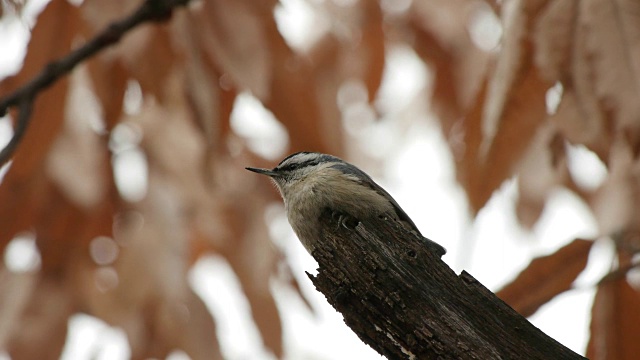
[(345, 220)]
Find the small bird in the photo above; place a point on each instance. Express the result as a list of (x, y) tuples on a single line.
[(311, 183)]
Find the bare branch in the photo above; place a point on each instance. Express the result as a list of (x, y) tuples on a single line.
[(149, 11)]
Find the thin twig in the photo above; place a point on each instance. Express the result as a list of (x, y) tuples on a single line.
[(26, 105), (150, 10)]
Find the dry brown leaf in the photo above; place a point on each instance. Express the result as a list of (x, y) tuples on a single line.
[(465, 151), (541, 170), (482, 172), (513, 70), (197, 337), (353, 54), (370, 52), (579, 129), (150, 57), (211, 102), (254, 260), (19, 204), (614, 203), (514, 107), (246, 244), (522, 114), (50, 39), (25, 183), (254, 264), (357, 52), (174, 147), (553, 35), (146, 53), (149, 275), (237, 40), (77, 159), (297, 105), (100, 13), (612, 48), (44, 321), (546, 277), (601, 82), (109, 80), (586, 122), (442, 40), (506, 113), (109, 75), (614, 322), (16, 290)]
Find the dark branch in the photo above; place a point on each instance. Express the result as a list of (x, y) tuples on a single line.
[(149, 11), (406, 303)]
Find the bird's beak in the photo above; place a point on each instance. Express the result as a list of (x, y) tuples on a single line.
[(263, 171)]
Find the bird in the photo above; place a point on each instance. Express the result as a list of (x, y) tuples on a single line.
[(312, 182)]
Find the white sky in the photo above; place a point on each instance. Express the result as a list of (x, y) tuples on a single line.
[(418, 173)]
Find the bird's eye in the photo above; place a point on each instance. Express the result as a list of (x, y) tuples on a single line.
[(288, 167)]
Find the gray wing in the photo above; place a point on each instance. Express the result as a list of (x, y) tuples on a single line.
[(359, 174)]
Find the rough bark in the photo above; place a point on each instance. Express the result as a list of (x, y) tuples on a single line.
[(406, 303)]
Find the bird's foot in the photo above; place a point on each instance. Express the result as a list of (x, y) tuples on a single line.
[(347, 221)]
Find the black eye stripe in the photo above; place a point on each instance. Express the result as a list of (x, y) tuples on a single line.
[(304, 159), (294, 166)]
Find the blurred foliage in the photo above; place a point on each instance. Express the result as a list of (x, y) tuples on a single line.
[(492, 102)]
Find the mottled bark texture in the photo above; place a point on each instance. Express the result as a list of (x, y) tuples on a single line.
[(406, 303)]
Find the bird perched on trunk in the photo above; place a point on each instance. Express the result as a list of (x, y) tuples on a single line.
[(311, 183)]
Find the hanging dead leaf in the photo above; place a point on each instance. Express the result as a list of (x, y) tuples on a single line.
[(546, 277), (24, 184), (148, 279), (50, 39), (598, 89), (514, 107), (254, 260), (46, 312), (442, 40), (553, 34), (579, 129), (580, 114), (210, 101), (16, 289), (194, 330), (506, 114), (77, 159), (100, 13), (299, 106), (109, 80), (614, 203), (176, 149), (370, 52), (151, 43), (541, 170), (614, 322), (237, 40), (611, 45)]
